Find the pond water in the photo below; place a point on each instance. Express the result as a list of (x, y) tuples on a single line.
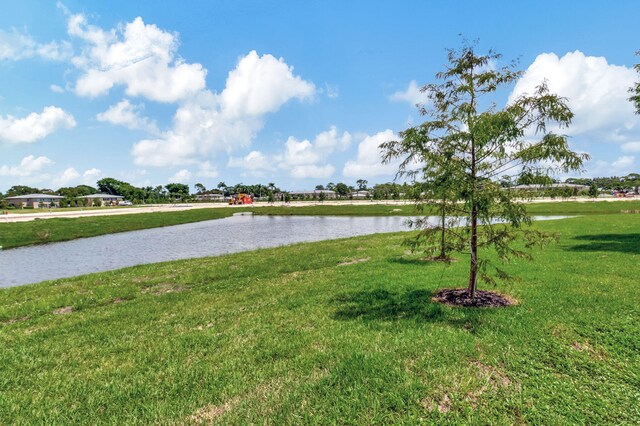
[(209, 238)]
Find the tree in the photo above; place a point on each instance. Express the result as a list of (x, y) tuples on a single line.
[(319, 187), (200, 188), (177, 191), (362, 184), (342, 189), (322, 196), (477, 144), (593, 190), (635, 90), (17, 190)]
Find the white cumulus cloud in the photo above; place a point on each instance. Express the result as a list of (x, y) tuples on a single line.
[(128, 115), (596, 92), (182, 176), (411, 94), (368, 163), (35, 126), (141, 57), (29, 166), (211, 122)]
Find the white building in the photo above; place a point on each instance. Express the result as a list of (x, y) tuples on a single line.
[(35, 201)]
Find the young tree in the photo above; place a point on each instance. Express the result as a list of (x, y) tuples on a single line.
[(470, 138), (362, 184), (635, 90)]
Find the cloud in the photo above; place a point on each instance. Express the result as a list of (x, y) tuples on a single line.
[(211, 122), (35, 126), (313, 171), (67, 176), (333, 91), (16, 45), (29, 166), (206, 170), (141, 57), (368, 163), (596, 92), (631, 146), (72, 176), (125, 114), (56, 89), (412, 94), (182, 176), (254, 162), (623, 164), (260, 85)]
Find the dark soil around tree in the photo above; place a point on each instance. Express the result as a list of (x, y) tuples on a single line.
[(482, 299)]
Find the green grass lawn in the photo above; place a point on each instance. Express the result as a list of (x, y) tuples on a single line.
[(54, 230), (337, 332)]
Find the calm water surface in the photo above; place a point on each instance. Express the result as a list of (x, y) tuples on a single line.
[(210, 238)]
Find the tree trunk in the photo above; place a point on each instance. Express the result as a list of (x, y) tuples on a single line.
[(473, 272), (443, 254)]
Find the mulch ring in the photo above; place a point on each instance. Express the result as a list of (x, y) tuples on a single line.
[(482, 299)]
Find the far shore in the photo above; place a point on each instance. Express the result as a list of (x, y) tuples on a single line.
[(23, 216)]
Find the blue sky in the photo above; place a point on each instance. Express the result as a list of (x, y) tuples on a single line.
[(296, 93)]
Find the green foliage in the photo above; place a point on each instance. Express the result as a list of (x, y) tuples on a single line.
[(473, 146), (593, 190), (76, 191), (342, 190), (322, 196), (635, 90), (17, 190)]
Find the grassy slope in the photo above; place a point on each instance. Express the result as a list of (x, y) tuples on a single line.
[(289, 336), (53, 230)]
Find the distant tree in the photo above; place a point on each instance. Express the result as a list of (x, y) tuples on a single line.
[(534, 178), (342, 189), (331, 186), (200, 188), (593, 190), (21, 190), (319, 188), (177, 191), (362, 184), (270, 198), (635, 89), (287, 197), (477, 145), (322, 196)]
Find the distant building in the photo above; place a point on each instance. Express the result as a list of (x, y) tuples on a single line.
[(210, 197), (301, 195), (538, 187), (359, 195), (35, 201), (103, 199)]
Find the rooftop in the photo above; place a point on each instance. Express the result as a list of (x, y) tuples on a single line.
[(29, 196), (101, 196)]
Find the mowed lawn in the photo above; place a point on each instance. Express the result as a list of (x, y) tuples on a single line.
[(336, 332)]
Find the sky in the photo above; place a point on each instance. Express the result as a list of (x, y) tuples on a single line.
[(297, 93)]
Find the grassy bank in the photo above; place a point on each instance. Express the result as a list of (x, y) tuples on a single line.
[(332, 332), (54, 230)]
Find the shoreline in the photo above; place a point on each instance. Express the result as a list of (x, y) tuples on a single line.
[(159, 208)]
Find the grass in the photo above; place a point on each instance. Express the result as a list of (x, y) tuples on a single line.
[(337, 332), (63, 229), (54, 230)]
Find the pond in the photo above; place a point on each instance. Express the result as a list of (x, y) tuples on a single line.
[(209, 238)]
